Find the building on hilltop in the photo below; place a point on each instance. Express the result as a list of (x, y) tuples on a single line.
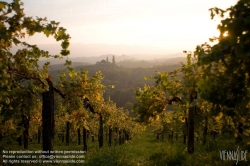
[(106, 62), (103, 62)]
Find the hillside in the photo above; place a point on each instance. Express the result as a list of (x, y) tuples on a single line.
[(126, 80)]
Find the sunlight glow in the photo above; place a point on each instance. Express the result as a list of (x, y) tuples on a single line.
[(225, 34), (172, 26)]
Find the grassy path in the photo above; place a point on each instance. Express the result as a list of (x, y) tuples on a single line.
[(144, 150)]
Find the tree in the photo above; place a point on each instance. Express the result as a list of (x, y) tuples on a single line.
[(190, 78), (227, 64), (21, 68), (113, 60), (79, 90), (150, 102), (229, 59), (181, 86)]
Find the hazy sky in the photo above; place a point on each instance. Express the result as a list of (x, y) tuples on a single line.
[(170, 25)]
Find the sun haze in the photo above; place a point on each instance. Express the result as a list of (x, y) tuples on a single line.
[(167, 25)]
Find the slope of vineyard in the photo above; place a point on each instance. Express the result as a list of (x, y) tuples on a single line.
[(195, 113)]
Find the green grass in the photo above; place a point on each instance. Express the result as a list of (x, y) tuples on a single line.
[(145, 150)]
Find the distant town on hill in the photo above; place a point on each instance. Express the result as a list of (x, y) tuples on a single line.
[(120, 60)]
